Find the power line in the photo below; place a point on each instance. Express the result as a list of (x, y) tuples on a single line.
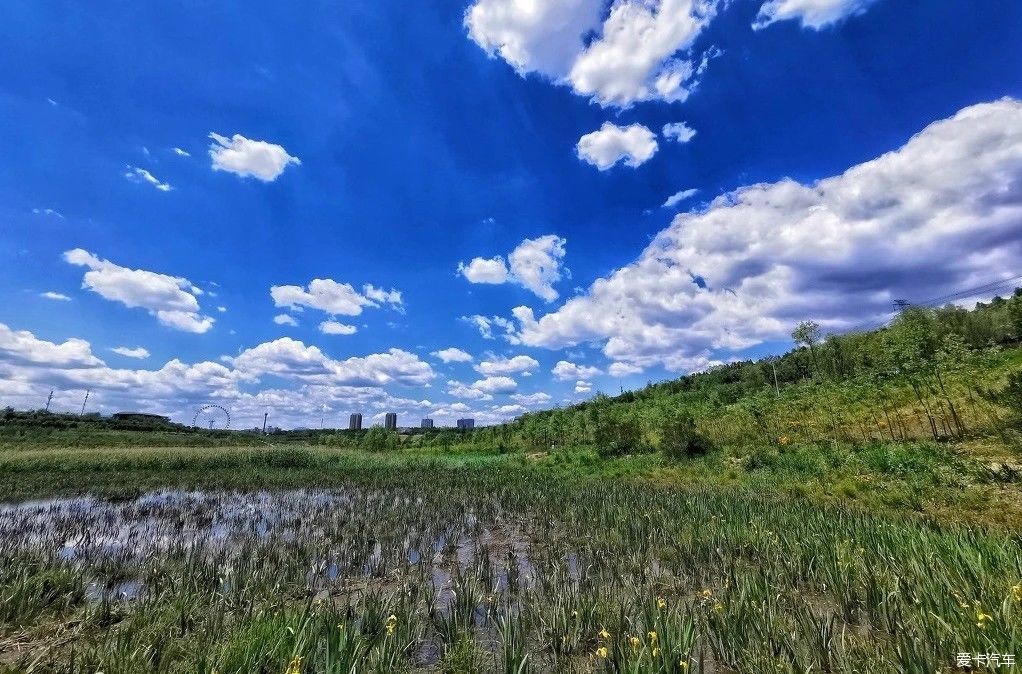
[(985, 288)]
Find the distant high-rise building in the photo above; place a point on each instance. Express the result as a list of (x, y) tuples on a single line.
[(427, 423), (355, 422), (466, 423), (390, 421)]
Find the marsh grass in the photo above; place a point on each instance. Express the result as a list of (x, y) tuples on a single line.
[(484, 563)]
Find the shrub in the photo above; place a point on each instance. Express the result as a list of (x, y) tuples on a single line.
[(680, 440)]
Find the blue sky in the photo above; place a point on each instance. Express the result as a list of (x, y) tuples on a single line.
[(845, 152)]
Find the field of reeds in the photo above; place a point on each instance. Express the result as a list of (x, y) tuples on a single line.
[(466, 564)]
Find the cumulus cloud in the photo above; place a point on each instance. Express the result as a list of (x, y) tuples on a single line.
[(35, 366), (453, 355), (482, 270), (137, 352), (535, 264), (318, 384), (140, 175), (333, 298), (285, 319), (565, 370), (633, 144), (583, 387), (249, 158), (678, 197), (487, 324), (498, 366), (171, 299), (623, 369), (815, 14), (336, 328), (941, 213), (494, 385), (290, 358), (50, 295), (532, 399), (679, 132), (636, 51), (482, 389)]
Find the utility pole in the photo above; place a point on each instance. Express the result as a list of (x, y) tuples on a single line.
[(777, 389), (265, 414), (49, 400), (85, 402)]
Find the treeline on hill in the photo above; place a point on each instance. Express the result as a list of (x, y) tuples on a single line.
[(34, 427), (944, 374)]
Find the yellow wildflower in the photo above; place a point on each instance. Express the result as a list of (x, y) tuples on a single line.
[(604, 634), (295, 667), (683, 664), (634, 641), (1016, 591), (982, 618), (718, 607), (601, 652), (391, 623), (652, 637), (656, 652), (660, 603)]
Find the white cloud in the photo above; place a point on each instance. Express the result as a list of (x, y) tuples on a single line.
[(535, 264), (181, 153), (320, 386), (170, 298), (186, 321), (285, 319), (137, 352), (336, 328), (623, 369), (636, 56), (941, 213), (635, 52), (814, 14), (244, 157), (482, 389), (678, 197), (482, 270), (486, 325), (634, 145), (494, 385), (497, 366), (453, 355), (221, 309), (140, 175), (532, 399), (583, 387), (679, 132), (49, 212), (565, 370), (467, 391), (23, 348), (331, 297), (290, 358), (391, 297), (50, 295)]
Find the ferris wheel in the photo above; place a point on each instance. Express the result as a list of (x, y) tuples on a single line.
[(213, 417)]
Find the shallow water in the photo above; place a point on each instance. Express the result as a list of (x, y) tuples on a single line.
[(345, 534)]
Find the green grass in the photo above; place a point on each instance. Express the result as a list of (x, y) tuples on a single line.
[(879, 558)]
